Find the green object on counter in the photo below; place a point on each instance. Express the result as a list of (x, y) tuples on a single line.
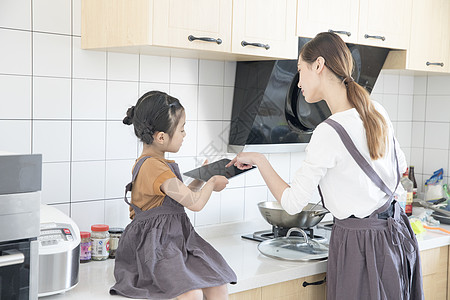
[(417, 227), (446, 191)]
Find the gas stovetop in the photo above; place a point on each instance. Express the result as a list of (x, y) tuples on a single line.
[(260, 236)]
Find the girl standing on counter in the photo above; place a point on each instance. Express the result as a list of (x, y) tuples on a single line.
[(355, 160), (160, 256)]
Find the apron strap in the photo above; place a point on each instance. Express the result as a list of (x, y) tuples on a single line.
[(129, 186), (361, 161)]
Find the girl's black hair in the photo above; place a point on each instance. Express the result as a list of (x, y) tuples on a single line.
[(154, 111)]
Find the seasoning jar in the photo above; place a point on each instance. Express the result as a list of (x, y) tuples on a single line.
[(100, 241), (114, 236), (85, 246)]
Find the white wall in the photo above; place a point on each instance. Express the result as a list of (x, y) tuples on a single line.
[(67, 104)]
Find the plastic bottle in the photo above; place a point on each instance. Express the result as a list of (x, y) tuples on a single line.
[(408, 186), (413, 179)]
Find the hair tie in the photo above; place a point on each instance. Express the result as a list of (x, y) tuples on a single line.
[(347, 80)]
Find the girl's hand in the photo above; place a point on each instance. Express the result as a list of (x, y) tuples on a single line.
[(220, 182), (243, 161)]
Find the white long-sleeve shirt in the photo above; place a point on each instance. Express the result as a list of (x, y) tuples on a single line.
[(346, 189)]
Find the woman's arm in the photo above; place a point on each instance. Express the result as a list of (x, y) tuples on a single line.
[(276, 184), (193, 200)]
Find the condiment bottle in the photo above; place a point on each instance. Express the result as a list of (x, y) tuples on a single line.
[(412, 177), (100, 242), (114, 236), (408, 186), (85, 246)]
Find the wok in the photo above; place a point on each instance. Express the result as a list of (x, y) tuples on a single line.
[(275, 215)]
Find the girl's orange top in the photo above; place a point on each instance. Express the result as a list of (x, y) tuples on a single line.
[(146, 193)]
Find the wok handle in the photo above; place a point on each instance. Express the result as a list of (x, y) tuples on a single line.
[(319, 213), (305, 283)]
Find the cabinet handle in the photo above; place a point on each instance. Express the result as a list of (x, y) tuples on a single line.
[(305, 284), (347, 33), (192, 38), (379, 37), (266, 46), (434, 64)]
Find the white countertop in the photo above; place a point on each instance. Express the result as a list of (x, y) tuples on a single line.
[(252, 268)]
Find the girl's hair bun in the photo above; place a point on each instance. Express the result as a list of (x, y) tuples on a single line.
[(128, 120)]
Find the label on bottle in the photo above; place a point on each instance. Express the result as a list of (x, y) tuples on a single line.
[(85, 251), (100, 248), (409, 201)]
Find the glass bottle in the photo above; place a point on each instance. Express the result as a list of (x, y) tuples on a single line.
[(412, 177), (408, 186)]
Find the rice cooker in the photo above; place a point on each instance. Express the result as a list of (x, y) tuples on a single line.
[(59, 252)]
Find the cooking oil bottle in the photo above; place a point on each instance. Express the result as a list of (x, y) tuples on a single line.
[(408, 186)]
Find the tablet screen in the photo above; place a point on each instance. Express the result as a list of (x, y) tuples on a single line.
[(204, 173)]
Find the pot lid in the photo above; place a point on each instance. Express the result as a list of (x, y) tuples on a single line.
[(293, 248)]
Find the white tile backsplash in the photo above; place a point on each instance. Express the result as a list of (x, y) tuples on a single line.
[(52, 16), (183, 70), (232, 205), (87, 63), (437, 135), (52, 98), (210, 103), (60, 84), (121, 142), (87, 180), (88, 99), (154, 68), (210, 214), (15, 52), (15, 14), (15, 136), (15, 95), (118, 175), (52, 55), (52, 139), (187, 94), (120, 95), (55, 183), (88, 140), (122, 66), (211, 72), (65, 208), (86, 214), (437, 109)]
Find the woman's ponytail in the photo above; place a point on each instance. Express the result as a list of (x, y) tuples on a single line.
[(374, 123)]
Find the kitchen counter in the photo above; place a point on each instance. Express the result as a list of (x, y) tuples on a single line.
[(252, 268)]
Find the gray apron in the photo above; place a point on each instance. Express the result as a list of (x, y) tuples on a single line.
[(160, 256), (376, 257)]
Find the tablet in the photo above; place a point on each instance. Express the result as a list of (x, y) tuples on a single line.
[(205, 172)]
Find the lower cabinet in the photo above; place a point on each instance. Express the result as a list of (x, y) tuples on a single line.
[(435, 272), (294, 289)]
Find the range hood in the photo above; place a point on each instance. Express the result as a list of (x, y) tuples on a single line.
[(269, 113)]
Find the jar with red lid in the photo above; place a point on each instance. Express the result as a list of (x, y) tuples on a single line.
[(100, 241), (85, 246)]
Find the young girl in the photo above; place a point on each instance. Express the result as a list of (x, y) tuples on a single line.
[(160, 256), (355, 159)]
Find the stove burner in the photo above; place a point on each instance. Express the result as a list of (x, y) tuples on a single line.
[(261, 236)]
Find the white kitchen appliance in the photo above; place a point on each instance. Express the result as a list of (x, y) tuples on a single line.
[(59, 252)]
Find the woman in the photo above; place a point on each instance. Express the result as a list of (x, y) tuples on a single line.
[(355, 160)]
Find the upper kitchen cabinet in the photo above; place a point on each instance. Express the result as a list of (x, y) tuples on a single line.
[(383, 23), (265, 28), (209, 29), (429, 39), (341, 17)]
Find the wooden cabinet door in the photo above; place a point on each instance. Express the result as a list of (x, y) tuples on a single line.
[(254, 294), (385, 23), (175, 20), (430, 35), (294, 289), (267, 24), (314, 16), (434, 272)]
